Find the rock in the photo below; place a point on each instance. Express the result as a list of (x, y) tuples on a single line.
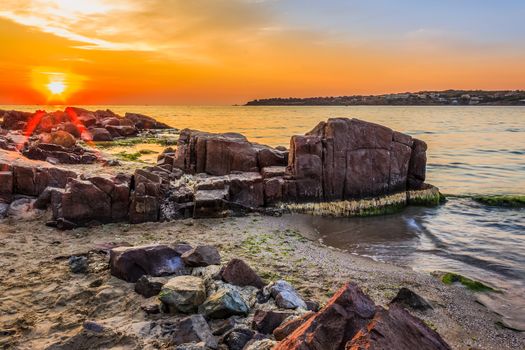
[(6, 186), (270, 157), (202, 255), (263, 344), (312, 305), (148, 286), (290, 325), (273, 171), (144, 122), (151, 309), (246, 189), (285, 296), (348, 158), (267, 321), (273, 190), (83, 201), (347, 312), (130, 263), (417, 165), (221, 154), (4, 209), (396, 329), (93, 326), (410, 299), (223, 304), (14, 120), (78, 264), (183, 294), (237, 338), (193, 329), (210, 203), (182, 248), (145, 199), (22, 209), (62, 138), (238, 273), (96, 134), (122, 130), (72, 128)]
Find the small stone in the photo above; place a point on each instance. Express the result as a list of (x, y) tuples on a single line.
[(224, 303), (264, 344), (312, 305), (266, 321), (193, 329), (237, 339), (410, 299), (151, 309), (78, 264), (237, 272), (93, 327), (290, 325), (183, 293), (202, 255), (148, 286), (286, 297)]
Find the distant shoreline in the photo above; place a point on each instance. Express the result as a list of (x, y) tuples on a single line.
[(422, 98)]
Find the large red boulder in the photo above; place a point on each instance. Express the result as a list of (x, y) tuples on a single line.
[(347, 312), (396, 329), (349, 158)]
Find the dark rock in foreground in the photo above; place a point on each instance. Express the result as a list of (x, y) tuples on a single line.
[(130, 263), (396, 329)]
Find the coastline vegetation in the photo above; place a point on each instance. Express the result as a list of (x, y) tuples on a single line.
[(512, 201), (135, 156), (475, 286)]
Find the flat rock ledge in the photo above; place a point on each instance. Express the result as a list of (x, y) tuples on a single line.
[(343, 167)]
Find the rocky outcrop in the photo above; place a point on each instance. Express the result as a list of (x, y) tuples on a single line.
[(223, 154), (350, 158)]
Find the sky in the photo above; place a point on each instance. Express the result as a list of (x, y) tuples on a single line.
[(232, 51)]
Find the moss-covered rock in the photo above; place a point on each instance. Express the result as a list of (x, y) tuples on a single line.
[(512, 201), (428, 197), (476, 286)]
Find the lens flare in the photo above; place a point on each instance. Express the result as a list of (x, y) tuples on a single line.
[(56, 87)]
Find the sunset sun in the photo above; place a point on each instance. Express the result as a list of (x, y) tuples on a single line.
[(56, 87)]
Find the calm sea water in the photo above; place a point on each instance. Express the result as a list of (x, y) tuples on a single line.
[(472, 150)]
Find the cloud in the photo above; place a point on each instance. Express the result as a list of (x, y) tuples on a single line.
[(178, 28)]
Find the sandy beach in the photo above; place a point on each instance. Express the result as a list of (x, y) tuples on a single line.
[(43, 303)]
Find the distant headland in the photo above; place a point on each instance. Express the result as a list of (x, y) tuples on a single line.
[(421, 98)]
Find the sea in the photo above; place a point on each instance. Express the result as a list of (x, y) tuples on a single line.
[(472, 150)]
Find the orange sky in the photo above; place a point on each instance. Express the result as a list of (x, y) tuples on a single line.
[(224, 52)]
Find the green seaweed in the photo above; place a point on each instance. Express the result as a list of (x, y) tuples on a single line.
[(475, 286), (132, 141), (512, 201), (133, 157)]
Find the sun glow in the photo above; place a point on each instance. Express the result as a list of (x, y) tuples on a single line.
[(56, 87)]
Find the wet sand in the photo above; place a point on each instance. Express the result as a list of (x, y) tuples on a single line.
[(42, 302)]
